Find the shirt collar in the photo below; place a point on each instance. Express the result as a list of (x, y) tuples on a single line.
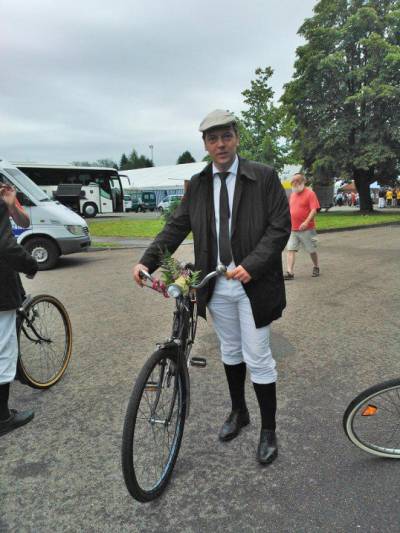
[(232, 170)]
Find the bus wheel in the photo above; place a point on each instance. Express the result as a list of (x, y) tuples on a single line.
[(44, 251), (89, 210)]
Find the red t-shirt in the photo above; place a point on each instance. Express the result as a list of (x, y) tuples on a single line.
[(301, 203)]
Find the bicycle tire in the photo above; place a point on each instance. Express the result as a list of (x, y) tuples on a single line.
[(367, 415), (32, 362), (129, 468)]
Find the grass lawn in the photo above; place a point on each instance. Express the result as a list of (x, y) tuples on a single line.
[(126, 228), (343, 219), (150, 228)]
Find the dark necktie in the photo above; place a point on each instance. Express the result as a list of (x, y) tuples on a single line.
[(225, 253)]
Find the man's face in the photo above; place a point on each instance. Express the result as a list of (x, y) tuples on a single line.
[(298, 184), (221, 144)]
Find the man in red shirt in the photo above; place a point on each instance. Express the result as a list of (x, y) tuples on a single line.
[(303, 205)]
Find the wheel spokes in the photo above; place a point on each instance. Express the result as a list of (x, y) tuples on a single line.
[(156, 425), (377, 422)]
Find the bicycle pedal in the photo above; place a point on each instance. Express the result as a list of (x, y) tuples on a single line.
[(198, 361)]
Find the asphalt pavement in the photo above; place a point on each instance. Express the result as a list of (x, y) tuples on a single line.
[(339, 335)]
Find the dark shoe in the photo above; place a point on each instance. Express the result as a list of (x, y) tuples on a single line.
[(288, 275), (16, 420), (267, 450), (233, 424), (315, 272)]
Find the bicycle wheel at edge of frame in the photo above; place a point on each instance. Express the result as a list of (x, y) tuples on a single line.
[(128, 467), (24, 375), (355, 404)]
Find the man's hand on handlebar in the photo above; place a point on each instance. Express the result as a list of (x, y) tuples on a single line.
[(240, 274), (136, 274)]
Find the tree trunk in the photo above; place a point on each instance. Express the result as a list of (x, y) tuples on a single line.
[(361, 181)]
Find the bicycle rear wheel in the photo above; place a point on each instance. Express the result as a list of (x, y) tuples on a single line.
[(372, 420), (45, 342), (154, 424)]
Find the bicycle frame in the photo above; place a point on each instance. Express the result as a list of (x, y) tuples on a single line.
[(183, 329)]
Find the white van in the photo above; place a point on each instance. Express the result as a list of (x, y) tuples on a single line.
[(55, 230)]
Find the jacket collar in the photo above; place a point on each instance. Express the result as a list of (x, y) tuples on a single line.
[(245, 170)]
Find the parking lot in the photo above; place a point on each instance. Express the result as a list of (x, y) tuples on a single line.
[(338, 336)]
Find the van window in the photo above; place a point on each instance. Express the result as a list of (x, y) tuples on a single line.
[(22, 182)]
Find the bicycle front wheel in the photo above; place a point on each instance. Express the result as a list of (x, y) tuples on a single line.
[(372, 420), (45, 342), (153, 428)]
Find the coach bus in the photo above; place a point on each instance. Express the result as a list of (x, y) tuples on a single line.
[(98, 189)]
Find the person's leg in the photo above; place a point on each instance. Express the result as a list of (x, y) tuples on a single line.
[(236, 377), (309, 241), (314, 258), (291, 258), (10, 419), (4, 395), (291, 249), (258, 357), (225, 317)]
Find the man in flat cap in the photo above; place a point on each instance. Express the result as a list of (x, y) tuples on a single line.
[(239, 216)]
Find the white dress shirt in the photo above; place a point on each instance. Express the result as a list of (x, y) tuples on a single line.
[(230, 185)]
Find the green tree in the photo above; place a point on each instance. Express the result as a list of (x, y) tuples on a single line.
[(345, 95), (137, 161), (262, 126), (123, 162), (186, 157)]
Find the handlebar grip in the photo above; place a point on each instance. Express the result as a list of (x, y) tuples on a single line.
[(145, 275)]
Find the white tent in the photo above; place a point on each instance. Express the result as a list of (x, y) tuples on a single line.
[(169, 176)]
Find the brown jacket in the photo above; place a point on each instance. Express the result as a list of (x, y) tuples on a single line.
[(260, 229)]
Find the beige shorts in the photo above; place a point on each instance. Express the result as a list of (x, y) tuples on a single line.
[(307, 238)]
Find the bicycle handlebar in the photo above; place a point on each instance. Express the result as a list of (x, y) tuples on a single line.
[(221, 270)]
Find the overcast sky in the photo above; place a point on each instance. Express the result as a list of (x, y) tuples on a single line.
[(93, 79)]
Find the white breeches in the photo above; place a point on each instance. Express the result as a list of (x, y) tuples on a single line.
[(239, 338), (8, 346)]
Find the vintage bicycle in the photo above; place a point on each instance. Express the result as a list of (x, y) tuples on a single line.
[(160, 400), (45, 341), (372, 420)]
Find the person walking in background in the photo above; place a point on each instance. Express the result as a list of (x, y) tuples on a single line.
[(13, 259), (304, 205), (239, 215)]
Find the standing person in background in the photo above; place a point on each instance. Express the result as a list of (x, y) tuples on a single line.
[(304, 205), (13, 259), (389, 198), (394, 198), (239, 216), (381, 198)]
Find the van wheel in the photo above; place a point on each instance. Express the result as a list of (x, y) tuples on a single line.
[(44, 251), (89, 210)]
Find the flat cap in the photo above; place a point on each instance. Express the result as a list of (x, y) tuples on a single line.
[(216, 118)]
